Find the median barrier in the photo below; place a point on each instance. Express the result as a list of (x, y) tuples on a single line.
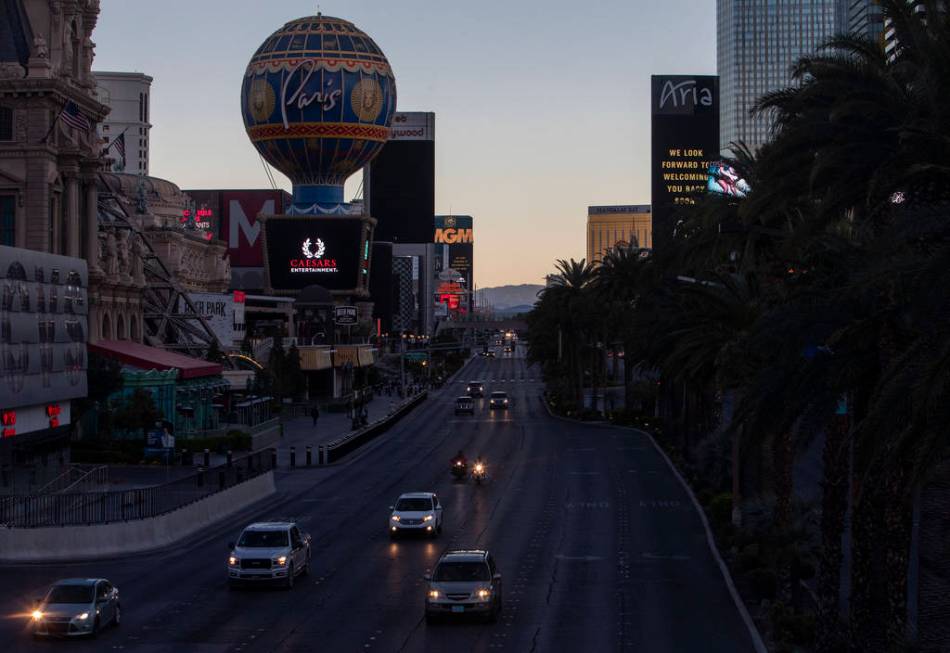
[(72, 543), (340, 447)]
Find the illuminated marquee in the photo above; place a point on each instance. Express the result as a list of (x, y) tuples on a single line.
[(448, 236)]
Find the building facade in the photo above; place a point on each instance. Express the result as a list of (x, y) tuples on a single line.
[(399, 184), (758, 42), (866, 18), (609, 226), (128, 97)]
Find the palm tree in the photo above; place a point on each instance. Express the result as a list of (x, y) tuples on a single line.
[(570, 293), (624, 275)]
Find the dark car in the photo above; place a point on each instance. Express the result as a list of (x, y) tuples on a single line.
[(476, 389), (464, 405)]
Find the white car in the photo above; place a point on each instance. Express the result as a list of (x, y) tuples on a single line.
[(269, 551), (416, 512)]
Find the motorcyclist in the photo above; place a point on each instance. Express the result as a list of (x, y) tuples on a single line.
[(479, 463)]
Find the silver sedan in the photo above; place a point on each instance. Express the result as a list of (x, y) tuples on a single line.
[(76, 606)]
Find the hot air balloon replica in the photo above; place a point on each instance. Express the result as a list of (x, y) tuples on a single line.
[(318, 99)]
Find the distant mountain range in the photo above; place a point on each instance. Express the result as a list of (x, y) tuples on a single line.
[(509, 300)]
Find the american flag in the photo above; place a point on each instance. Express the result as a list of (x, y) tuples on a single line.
[(72, 116), (120, 146)]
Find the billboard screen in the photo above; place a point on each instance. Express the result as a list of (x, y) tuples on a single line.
[(724, 179), (400, 182), (43, 327), (685, 141), (332, 252), (454, 237), (235, 219)]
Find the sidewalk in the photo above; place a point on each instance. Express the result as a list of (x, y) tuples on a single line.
[(299, 432)]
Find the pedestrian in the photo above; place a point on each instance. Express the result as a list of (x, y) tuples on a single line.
[(315, 414)]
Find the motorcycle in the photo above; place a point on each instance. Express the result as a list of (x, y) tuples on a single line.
[(479, 473), (459, 470)]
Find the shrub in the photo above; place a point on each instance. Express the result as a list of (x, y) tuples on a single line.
[(764, 583), (720, 509)]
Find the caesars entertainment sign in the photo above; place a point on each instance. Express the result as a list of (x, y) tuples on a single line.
[(685, 141), (328, 251)]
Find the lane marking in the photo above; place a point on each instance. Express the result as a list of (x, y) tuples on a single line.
[(578, 558), (656, 556)]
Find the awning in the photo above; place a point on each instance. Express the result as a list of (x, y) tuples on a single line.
[(152, 358)]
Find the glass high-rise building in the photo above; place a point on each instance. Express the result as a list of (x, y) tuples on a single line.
[(866, 18), (758, 43)]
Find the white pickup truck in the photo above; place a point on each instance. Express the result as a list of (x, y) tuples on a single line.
[(269, 551)]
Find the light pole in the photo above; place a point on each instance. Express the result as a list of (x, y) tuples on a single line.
[(402, 365)]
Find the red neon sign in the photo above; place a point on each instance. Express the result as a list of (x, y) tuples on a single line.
[(9, 418)]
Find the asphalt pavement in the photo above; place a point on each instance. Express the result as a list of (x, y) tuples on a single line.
[(599, 547)]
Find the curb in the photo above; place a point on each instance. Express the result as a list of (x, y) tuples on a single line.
[(757, 642)]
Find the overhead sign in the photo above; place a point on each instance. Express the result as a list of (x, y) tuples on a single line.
[(685, 134), (345, 315)]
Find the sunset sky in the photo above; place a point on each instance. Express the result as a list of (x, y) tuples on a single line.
[(542, 106)]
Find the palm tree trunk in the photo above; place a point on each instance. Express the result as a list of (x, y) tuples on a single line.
[(784, 466), (628, 398), (867, 619), (834, 506), (898, 524)]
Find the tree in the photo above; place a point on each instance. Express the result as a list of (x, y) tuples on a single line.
[(138, 412)]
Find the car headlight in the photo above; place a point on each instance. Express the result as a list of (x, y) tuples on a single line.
[(395, 517), (433, 594), (83, 616), (281, 561), (233, 561), (427, 518), (484, 594), (37, 615)]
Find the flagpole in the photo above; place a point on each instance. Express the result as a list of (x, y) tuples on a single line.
[(116, 139), (55, 120)]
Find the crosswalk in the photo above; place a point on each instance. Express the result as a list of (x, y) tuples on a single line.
[(504, 381)]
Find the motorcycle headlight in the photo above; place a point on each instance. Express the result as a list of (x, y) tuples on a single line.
[(479, 468)]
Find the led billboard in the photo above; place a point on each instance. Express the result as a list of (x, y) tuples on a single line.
[(330, 251), (685, 141), (454, 237)]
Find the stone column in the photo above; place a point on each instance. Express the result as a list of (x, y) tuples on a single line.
[(92, 227), (72, 217)]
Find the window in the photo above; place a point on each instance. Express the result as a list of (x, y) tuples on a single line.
[(6, 124), (141, 107), (8, 220)]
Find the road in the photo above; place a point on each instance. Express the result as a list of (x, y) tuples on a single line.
[(599, 547)]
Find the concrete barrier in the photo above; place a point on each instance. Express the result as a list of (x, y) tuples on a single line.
[(72, 543)]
